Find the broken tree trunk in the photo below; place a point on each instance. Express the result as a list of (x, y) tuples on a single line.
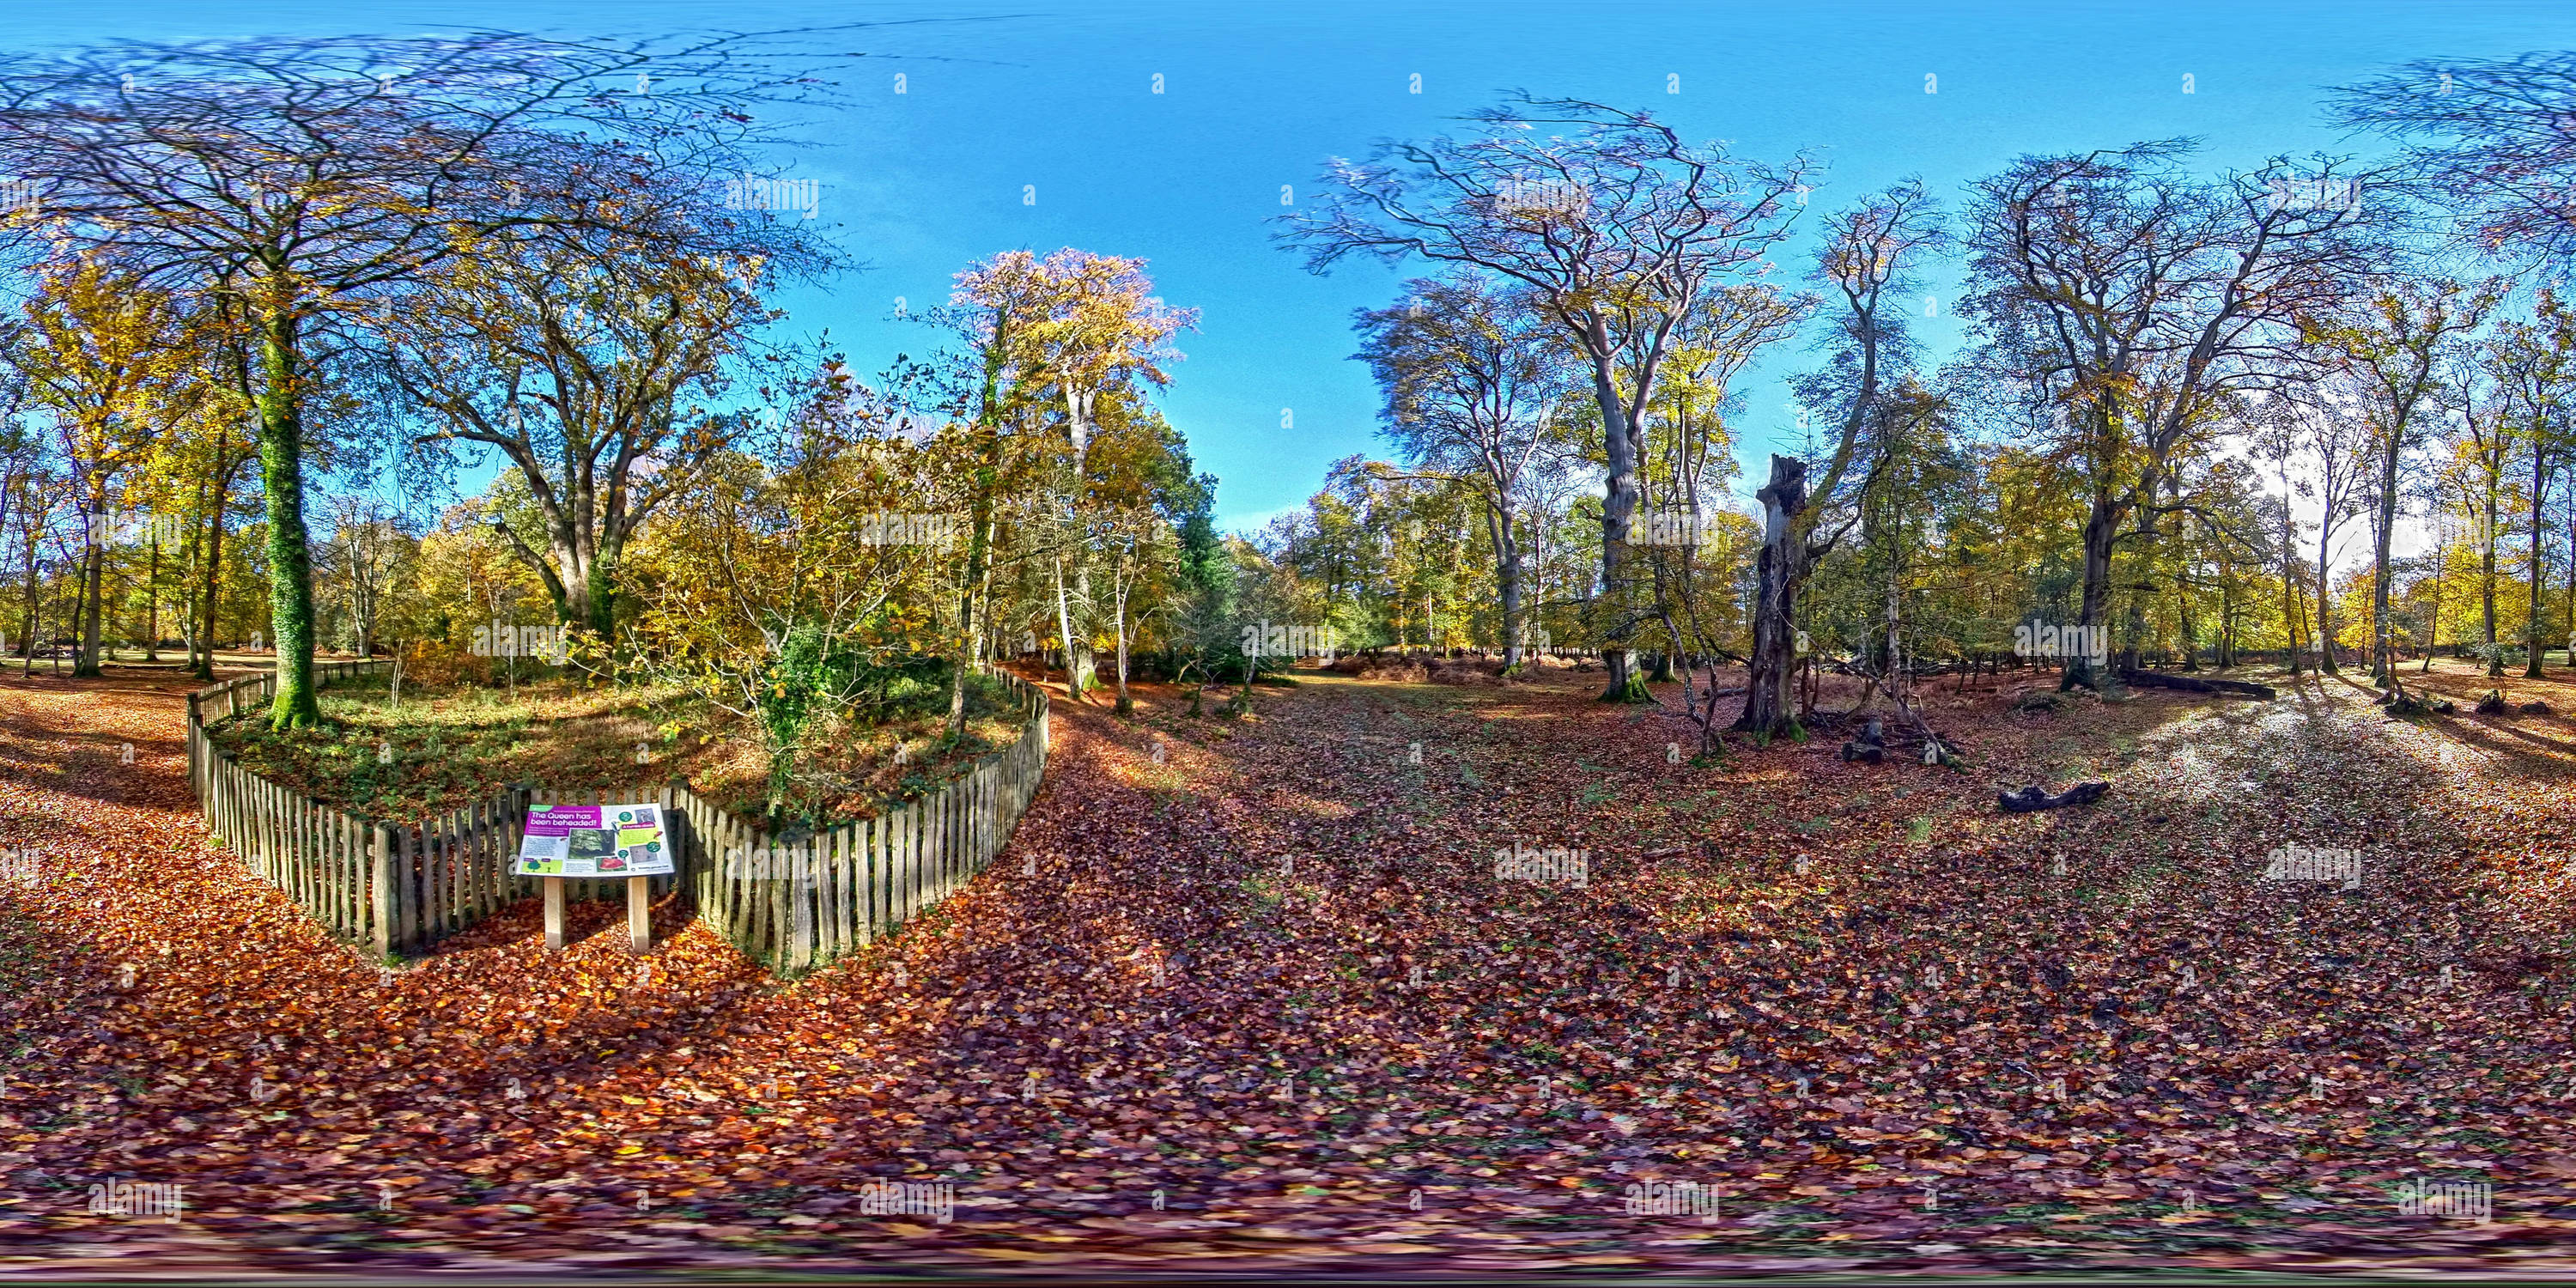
[(2194, 684), (1870, 747), (2034, 798)]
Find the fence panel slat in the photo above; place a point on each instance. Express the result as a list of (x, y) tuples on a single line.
[(334, 858), (741, 880), (416, 886), (901, 908), (952, 836), (846, 872), (918, 861), (478, 859), (459, 830), (800, 898), (944, 867), (827, 944), (291, 846)]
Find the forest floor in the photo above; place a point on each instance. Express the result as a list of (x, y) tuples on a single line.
[(1248, 997)]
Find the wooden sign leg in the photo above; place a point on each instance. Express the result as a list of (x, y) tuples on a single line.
[(639, 913), (554, 913)]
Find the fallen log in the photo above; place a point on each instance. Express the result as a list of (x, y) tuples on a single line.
[(2400, 704), (2194, 684), (2034, 798)]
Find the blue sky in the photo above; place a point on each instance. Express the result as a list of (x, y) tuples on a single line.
[(1006, 101)]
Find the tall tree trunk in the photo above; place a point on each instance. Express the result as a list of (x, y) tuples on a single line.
[(971, 590), (2325, 605), (2487, 585), (2290, 597), (1620, 493), (2567, 611), (2383, 668), (196, 549), (2226, 620), (152, 601), (1507, 571), (1778, 572), (2433, 627), (214, 582), (92, 585), (2539, 554), (1085, 666), (1894, 668), (1064, 627), (35, 600), (1126, 705), (970, 636), (2183, 618), (2101, 528), (290, 555), (600, 587)]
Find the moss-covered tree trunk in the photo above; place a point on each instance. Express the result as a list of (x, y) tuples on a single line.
[(290, 556), (601, 582)]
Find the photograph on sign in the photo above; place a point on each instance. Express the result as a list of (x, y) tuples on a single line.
[(594, 841)]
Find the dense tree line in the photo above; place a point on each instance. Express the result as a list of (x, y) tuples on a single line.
[(277, 297), (268, 289), (2196, 410)]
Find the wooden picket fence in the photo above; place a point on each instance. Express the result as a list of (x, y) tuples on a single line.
[(792, 903), (797, 902)]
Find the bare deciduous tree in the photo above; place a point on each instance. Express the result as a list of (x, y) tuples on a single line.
[(2130, 301), (1471, 381), (314, 180), (1616, 226)]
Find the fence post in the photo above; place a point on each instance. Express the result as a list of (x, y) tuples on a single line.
[(380, 880), (554, 891), (639, 913)]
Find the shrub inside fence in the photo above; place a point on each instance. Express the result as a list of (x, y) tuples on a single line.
[(792, 902)]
